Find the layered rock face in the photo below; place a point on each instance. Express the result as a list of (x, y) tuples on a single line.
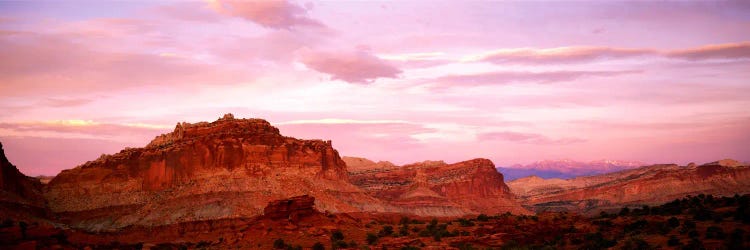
[(18, 192), (224, 169), (643, 186), (292, 208), (439, 189)]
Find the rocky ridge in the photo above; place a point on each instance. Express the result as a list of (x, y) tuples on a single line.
[(232, 168), (18, 192), (228, 168), (359, 163), (436, 188), (642, 186)]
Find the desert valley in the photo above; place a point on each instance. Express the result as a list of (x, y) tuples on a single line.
[(239, 183)]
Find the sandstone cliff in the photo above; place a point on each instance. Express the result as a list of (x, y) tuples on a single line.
[(231, 168), (224, 169), (643, 186), (19, 194), (434, 188)]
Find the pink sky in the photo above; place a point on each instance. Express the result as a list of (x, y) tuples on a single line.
[(400, 81)]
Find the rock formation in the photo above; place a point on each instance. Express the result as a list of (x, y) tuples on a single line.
[(232, 168), (18, 192), (359, 163), (224, 169), (292, 208), (434, 188), (643, 186)]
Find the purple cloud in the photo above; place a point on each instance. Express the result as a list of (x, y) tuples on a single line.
[(275, 14), (359, 66)]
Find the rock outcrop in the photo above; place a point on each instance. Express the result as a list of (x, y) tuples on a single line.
[(434, 188), (292, 208), (643, 186), (224, 169), (359, 163), (19, 194)]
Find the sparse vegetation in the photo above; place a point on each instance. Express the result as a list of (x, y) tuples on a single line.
[(371, 238), (278, 244), (318, 246), (694, 222)]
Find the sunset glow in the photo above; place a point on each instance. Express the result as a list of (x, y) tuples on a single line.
[(515, 82)]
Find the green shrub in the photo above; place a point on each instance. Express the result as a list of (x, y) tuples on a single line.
[(635, 244), (597, 241), (624, 211), (403, 230), (465, 223), (673, 222), (637, 225), (483, 217), (339, 244), (318, 246), (337, 235), (387, 230), (372, 238), (279, 244)]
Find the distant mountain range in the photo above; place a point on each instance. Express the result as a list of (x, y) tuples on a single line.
[(565, 169)]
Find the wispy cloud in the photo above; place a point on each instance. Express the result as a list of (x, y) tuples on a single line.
[(556, 55), (84, 129), (275, 14), (584, 54), (341, 121), (719, 51), (529, 138), (65, 102), (506, 77), (63, 64), (358, 66)]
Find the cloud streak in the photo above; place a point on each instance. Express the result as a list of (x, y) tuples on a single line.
[(527, 138), (83, 129), (583, 54), (557, 55), (507, 77), (732, 51)]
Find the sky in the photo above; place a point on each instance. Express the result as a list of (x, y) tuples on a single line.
[(403, 81)]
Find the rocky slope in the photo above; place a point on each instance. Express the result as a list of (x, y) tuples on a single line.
[(643, 186), (19, 194), (229, 168), (434, 188)]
